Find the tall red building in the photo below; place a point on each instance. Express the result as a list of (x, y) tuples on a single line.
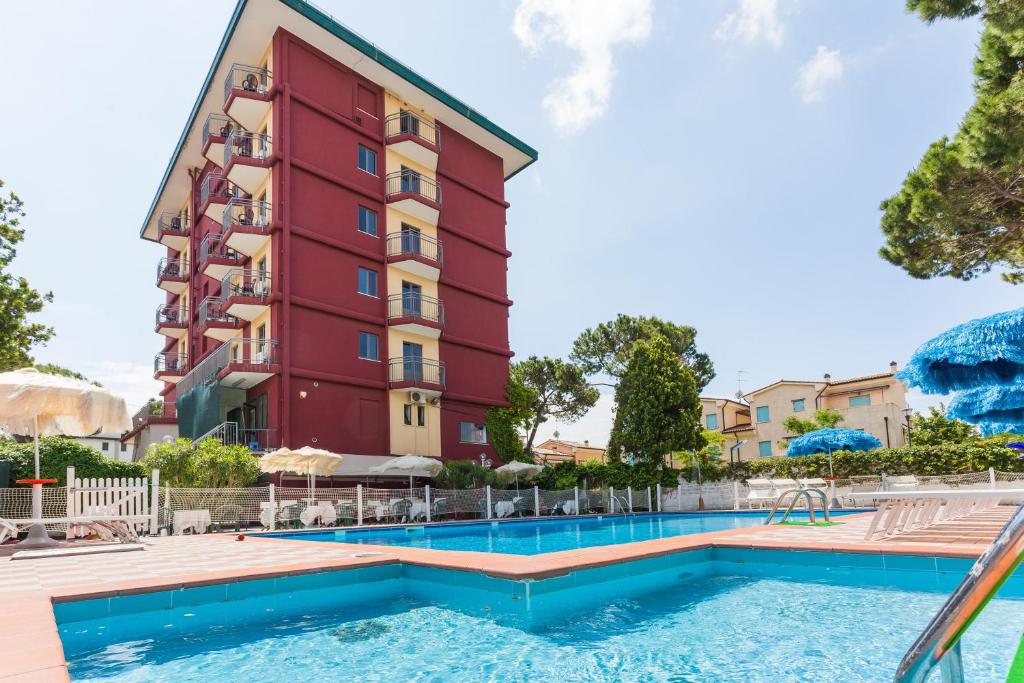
[(335, 268)]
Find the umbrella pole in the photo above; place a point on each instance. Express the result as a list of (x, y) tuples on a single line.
[(37, 535), (35, 439)]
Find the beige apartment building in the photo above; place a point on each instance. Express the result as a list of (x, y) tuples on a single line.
[(554, 451), (753, 426)]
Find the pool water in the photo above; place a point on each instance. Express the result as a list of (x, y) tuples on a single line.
[(532, 537), (710, 615)]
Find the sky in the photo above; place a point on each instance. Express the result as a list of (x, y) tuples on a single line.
[(718, 164)]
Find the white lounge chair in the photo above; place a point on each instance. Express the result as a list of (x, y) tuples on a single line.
[(904, 511), (119, 527), (902, 483), (761, 492)]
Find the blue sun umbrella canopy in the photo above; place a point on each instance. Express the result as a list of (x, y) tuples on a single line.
[(996, 409), (830, 439), (981, 352)]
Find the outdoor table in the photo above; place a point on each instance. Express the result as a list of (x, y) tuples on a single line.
[(418, 509), (569, 507), (196, 520)]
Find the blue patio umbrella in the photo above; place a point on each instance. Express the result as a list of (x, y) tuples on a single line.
[(832, 439), (996, 409), (1017, 446), (978, 353)]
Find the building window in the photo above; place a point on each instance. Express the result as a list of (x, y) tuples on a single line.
[(407, 414), (368, 221), (860, 401), (764, 449), (368, 346), (472, 432), (763, 414), (798, 405), (711, 420), (367, 281), (106, 445), (421, 417), (124, 448), (367, 160)]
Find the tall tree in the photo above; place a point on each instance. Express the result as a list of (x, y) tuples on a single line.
[(607, 348), (506, 423), (658, 409), (560, 391), (961, 211), (17, 299), (935, 429)]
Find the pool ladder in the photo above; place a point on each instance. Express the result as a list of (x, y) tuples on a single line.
[(623, 504), (939, 643), (796, 494)]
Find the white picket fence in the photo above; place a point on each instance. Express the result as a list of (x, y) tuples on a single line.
[(131, 497)]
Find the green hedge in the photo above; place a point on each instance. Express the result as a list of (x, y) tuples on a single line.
[(57, 453), (566, 475)]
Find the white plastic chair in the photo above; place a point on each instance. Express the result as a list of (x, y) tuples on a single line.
[(761, 492)]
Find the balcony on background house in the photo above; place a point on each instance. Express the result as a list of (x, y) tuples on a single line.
[(216, 130), (246, 225), (247, 159), (215, 321), (172, 275), (214, 195), (216, 258), (237, 363), (172, 230), (247, 94), (172, 320), (169, 366), (155, 412), (413, 137), (422, 374), (416, 253), (414, 194), (417, 314), (246, 293)]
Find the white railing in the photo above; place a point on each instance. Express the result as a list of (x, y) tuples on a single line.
[(125, 496)]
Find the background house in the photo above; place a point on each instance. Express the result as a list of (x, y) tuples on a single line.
[(554, 451)]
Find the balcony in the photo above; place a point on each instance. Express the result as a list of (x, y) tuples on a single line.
[(169, 366), (247, 94), (172, 275), (155, 412), (216, 130), (413, 137), (247, 224), (172, 320), (238, 363), (216, 258), (416, 314), (172, 230), (246, 293), (215, 321), (421, 374), (416, 253), (214, 195), (414, 194), (235, 434), (247, 159)]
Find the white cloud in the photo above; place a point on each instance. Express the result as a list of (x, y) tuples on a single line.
[(591, 30), (132, 381), (821, 71), (752, 22)]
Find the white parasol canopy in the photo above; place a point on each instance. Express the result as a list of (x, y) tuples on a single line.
[(312, 462), (516, 468), (413, 465)]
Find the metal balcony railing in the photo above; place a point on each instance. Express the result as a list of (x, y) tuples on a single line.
[(417, 307), (249, 351), (172, 267), (217, 186), (151, 410), (217, 126), (170, 314), (412, 182), (170, 361), (409, 123), (213, 246), (248, 282), (214, 310), (250, 213), (416, 371), (172, 223), (415, 244), (246, 145), (249, 79), (257, 440)]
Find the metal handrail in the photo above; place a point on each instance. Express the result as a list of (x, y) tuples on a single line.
[(939, 643), (172, 222), (172, 267), (806, 493), (250, 79), (217, 126), (406, 122), (408, 181), (416, 370), (417, 307), (249, 213), (215, 185), (213, 246), (246, 144), (415, 244)]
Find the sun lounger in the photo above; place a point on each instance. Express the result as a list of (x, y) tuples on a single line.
[(761, 493), (902, 483), (119, 527), (905, 511)]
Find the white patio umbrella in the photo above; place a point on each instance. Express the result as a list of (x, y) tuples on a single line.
[(40, 404), (516, 467), (412, 465), (312, 462)]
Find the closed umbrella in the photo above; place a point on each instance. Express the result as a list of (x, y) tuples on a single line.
[(832, 439), (37, 403), (413, 465), (308, 461), (516, 468)]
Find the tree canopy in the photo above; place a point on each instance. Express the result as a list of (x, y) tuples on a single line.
[(205, 464), (823, 418), (960, 213), (505, 424), (935, 429), (559, 390)]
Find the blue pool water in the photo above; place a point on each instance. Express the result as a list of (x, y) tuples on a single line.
[(531, 537), (707, 615)]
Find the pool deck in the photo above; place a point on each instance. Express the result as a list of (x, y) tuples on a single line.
[(30, 648)]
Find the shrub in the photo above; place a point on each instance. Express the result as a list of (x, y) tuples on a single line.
[(464, 474), (207, 464), (57, 453)]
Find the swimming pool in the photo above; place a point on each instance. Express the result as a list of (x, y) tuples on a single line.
[(708, 615), (532, 537)]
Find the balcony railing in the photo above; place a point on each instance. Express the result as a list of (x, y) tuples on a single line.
[(170, 361), (217, 126), (248, 79), (172, 268), (245, 144), (414, 183), (215, 186), (416, 371), (149, 411), (249, 213), (257, 440), (172, 224), (213, 246), (253, 352), (414, 244), (408, 123), (421, 308), (214, 310), (171, 314), (247, 282)]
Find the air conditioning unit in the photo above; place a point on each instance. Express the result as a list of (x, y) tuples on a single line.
[(417, 397)]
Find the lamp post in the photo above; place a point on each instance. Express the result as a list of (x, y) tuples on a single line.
[(908, 413)]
